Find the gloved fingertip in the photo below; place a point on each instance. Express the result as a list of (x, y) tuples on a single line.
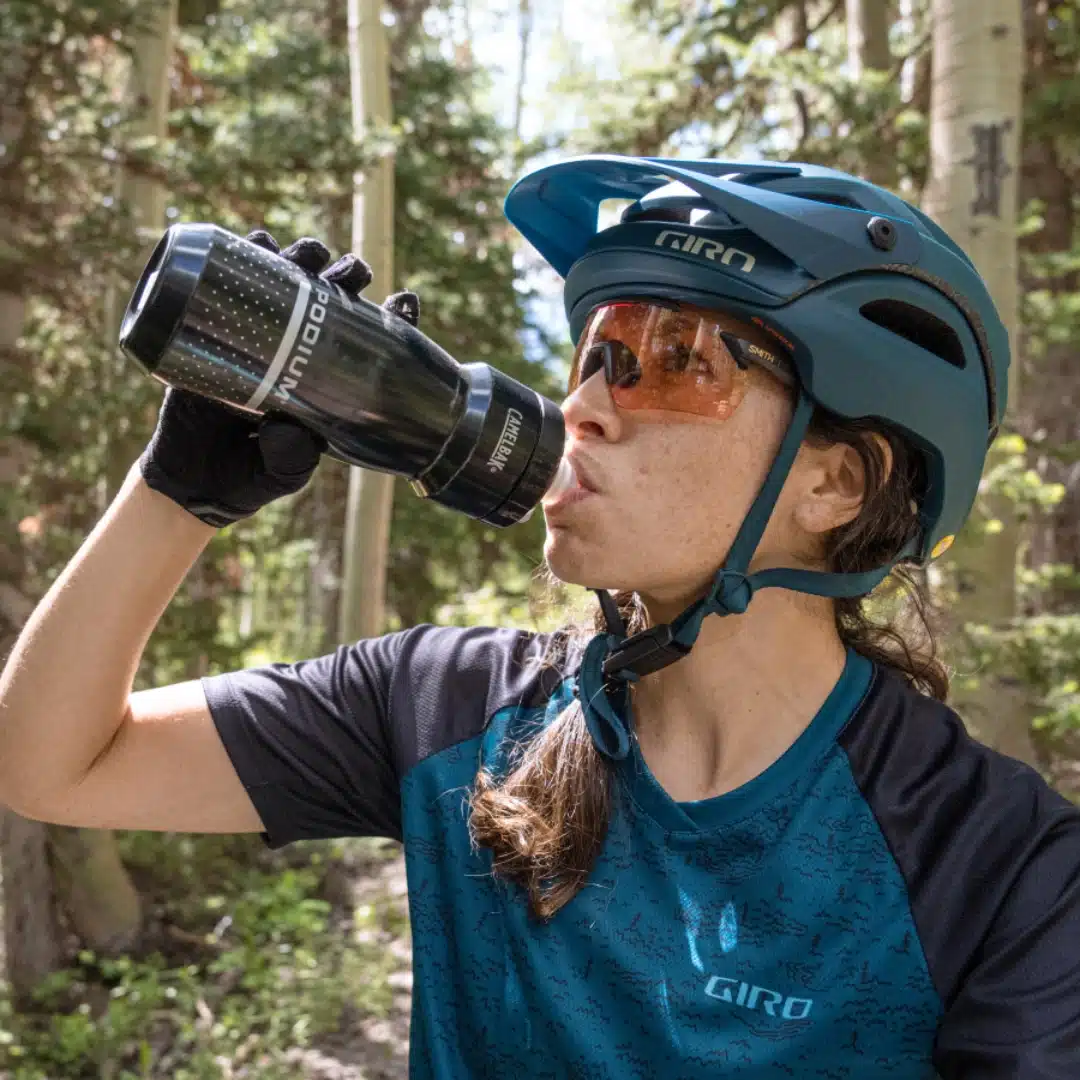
[(264, 240), (308, 253), (405, 305), (350, 273)]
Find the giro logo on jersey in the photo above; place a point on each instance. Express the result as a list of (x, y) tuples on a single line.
[(309, 334), (507, 441), (758, 998), (699, 245)]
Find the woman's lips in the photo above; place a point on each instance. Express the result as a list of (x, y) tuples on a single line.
[(583, 472), (568, 498)]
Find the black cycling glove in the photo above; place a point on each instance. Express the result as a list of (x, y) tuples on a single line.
[(223, 464)]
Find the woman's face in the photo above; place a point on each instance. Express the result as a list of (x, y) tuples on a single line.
[(662, 494)]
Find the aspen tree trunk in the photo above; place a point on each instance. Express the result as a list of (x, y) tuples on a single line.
[(867, 36), (371, 494), (793, 30), (525, 24), (868, 51), (975, 115)]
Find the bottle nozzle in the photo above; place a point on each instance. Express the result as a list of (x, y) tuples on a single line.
[(564, 479)]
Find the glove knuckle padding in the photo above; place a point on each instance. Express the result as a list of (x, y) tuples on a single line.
[(289, 451)]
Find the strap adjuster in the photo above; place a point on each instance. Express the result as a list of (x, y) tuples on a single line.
[(645, 653)]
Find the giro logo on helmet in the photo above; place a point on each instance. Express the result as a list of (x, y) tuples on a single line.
[(699, 245)]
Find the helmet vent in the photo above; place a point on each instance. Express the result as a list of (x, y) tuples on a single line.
[(832, 200), (918, 326), (678, 214)]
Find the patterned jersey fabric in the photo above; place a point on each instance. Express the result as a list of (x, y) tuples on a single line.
[(889, 899)]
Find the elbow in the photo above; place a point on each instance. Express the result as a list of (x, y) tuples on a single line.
[(50, 807), (19, 796), (16, 786), (43, 786), (17, 802), (10, 791), (28, 794)]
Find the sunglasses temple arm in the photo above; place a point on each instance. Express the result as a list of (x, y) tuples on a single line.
[(744, 357)]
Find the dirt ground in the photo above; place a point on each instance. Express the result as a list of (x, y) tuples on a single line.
[(367, 1048)]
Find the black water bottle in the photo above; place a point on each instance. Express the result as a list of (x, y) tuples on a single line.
[(220, 316)]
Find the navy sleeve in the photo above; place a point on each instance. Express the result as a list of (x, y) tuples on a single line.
[(321, 745), (991, 858), (1016, 1013)]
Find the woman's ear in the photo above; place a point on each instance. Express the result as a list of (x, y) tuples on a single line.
[(836, 483)]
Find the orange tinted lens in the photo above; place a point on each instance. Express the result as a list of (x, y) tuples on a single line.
[(661, 359)]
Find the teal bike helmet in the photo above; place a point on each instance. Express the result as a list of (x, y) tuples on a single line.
[(883, 315)]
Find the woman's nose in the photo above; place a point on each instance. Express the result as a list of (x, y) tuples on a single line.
[(590, 412)]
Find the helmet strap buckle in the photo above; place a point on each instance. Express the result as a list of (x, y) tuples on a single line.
[(644, 653)]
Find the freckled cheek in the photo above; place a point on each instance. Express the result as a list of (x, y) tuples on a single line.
[(669, 504), (672, 474), (661, 481)]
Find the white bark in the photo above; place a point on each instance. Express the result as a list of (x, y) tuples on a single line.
[(868, 51), (975, 98), (975, 116), (867, 36), (525, 24), (371, 494)]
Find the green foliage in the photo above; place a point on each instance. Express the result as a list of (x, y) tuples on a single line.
[(266, 964), (1009, 474), (1043, 652), (765, 80)]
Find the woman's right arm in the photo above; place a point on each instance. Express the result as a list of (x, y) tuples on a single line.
[(77, 746)]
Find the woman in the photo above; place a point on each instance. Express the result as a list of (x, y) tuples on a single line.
[(735, 833)]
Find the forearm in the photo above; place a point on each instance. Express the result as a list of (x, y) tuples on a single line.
[(65, 687)]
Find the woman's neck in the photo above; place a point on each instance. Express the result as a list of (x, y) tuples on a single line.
[(751, 685)]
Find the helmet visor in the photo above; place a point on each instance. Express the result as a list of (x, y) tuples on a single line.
[(674, 358)]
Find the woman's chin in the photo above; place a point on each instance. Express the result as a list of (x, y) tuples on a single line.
[(568, 560), (572, 564)]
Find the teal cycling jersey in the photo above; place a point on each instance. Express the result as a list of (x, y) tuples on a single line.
[(890, 898)]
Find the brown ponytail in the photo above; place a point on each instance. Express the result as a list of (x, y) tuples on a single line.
[(546, 819)]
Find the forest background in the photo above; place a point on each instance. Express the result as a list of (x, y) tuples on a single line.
[(138, 955)]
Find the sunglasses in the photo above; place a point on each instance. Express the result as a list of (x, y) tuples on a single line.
[(673, 358)]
